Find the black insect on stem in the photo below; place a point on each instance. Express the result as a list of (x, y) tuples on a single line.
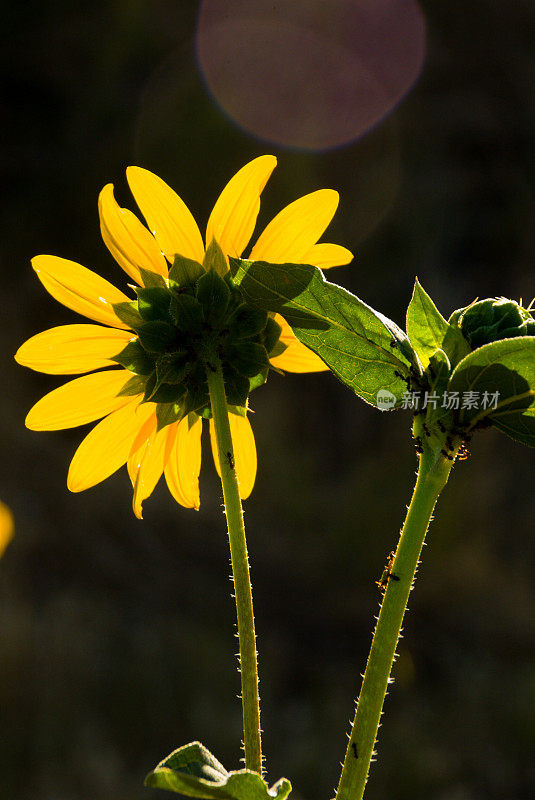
[(387, 575), (354, 746), (230, 460)]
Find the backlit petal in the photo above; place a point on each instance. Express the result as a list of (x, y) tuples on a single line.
[(79, 401), (168, 217), (146, 462), (105, 449), (233, 218), (296, 228), (6, 527), (127, 239), (297, 357), (80, 289), (326, 255), (244, 447), (72, 349), (184, 462)]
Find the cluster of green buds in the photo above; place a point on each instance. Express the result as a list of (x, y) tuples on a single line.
[(185, 326), (493, 319)]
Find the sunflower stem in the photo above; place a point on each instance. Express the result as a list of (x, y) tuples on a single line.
[(240, 568), (398, 579)]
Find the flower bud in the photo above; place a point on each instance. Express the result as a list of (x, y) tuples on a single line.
[(491, 320)]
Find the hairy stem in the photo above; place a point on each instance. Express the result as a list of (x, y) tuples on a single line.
[(398, 579), (240, 569)]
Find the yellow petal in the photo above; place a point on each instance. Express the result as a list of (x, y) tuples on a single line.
[(80, 289), (72, 349), (168, 217), (297, 357), (146, 462), (6, 527), (296, 228), (105, 449), (325, 255), (233, 219), (127, 239), (244, 447), (184, 462), (79, 401)]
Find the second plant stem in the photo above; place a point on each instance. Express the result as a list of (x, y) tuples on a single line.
[(433, 473), (240, 568)]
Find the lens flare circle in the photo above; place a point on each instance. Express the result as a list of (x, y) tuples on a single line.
[(309, 75)]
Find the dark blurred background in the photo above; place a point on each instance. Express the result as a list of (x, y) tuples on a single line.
[(117, 636)]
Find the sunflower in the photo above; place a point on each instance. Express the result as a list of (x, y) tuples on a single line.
[(131, 430)]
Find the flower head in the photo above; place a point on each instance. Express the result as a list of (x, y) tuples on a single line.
[(151, 407)]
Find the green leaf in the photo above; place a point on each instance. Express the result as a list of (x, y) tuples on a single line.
[(215, 259), (429, 331), (193, 771), (152, 279), (518, 425), (505, 367), (128, 313), (184, 272), (156, 336), (364, 349), (154, 303), (134, 358)]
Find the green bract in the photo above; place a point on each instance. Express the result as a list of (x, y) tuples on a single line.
[(182, 325)]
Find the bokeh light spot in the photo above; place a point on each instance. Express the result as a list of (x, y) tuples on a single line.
[(312, 75)]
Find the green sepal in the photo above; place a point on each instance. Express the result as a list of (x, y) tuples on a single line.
[(154, 303), (136, 385), (215, 259), (258, 380), (271, 338), (172, 368), (184, 272), (156, 336), (167, 414), (194, 772), (438, 374), (248, 322), (364, 349), (247, 358), (187, 313), (239, 411), (237, 388), (214, 295), (152, 279), (134, 358), (128, 313), (506, 366)]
